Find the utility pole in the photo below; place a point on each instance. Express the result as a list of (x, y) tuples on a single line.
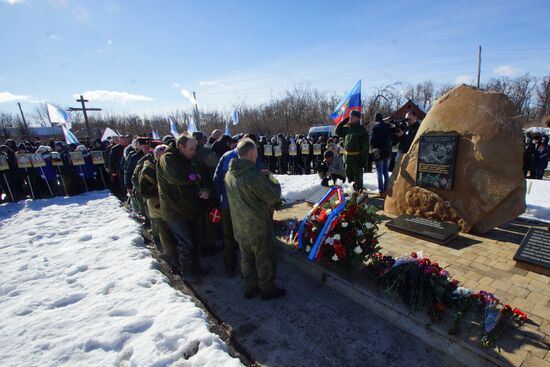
[(84, 109), (22, 116), (197, 117), (478, 66)]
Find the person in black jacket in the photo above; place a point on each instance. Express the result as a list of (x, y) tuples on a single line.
[(116, 171), (222, 145), (406, 137), (381, 143), (529, 157)]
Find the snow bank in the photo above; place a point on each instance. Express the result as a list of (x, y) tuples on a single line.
[(297, 188), (300, 187), (79, 288), (538, 200)]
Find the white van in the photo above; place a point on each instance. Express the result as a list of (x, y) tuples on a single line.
[(316, 131)]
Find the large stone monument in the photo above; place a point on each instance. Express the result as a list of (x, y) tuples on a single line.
[(488, 187)]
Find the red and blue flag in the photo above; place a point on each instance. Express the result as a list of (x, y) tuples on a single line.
[(350, 102)]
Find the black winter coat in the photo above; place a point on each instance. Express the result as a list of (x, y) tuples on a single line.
[(381, 140)]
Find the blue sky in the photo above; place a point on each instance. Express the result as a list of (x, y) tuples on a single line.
[(138, 56)]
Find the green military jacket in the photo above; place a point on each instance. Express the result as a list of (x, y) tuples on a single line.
[(178, 192), (355, 142), (138, 170), (148, 186), (251, 194)]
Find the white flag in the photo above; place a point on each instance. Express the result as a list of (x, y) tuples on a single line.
[(58, 115), (108, 133), (155, 135)]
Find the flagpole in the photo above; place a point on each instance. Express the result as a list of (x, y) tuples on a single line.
[(9, 188), (102, 177), (47, 183), (51, 124), (62, 181), (83, 179), (30, 184)]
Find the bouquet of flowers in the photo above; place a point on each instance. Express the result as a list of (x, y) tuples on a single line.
[(496, 317), (350, 236), (417, 280)]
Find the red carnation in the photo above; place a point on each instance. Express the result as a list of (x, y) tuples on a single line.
[(339, 249), (414, 255)]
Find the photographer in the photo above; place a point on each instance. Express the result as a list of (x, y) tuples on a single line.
[(381, 144), (331, 168), (406, 133)]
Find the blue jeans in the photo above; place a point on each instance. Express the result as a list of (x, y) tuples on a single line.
[(185, 234), (382, 172)]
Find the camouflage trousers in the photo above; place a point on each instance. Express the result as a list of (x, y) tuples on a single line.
[(258, 265)]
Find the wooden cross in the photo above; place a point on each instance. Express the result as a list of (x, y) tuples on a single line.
[(84, 109)]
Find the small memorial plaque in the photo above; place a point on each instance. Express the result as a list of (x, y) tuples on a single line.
[(436, 161), (37, 160), (426, 229), (56, 159), (77, 158), (317, 196), (97, 157), (23, 160), (292, 149), (305, 149), (277, 151), (268, 150), (535, 248), (317, 149)]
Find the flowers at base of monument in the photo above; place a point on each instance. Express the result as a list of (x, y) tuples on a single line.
[(418, 281), (496, 318), (349, 237), (422, 283)]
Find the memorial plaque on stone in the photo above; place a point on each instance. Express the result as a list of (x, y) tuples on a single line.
[(535, 248), (426, 229), (436, 161)]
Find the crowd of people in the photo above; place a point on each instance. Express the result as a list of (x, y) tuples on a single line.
[(204, 195), (536, 154)]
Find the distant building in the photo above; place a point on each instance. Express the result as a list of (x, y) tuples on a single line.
[(409, 106), (40, 132)]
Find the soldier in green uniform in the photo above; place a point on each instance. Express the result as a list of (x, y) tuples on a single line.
[(181, 194), (148, 187), (251, 194), (355, 141)]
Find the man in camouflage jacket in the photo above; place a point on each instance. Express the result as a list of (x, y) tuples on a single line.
[(251, 194)]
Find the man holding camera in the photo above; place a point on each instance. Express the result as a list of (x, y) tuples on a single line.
[(355, 141), (406, 134)]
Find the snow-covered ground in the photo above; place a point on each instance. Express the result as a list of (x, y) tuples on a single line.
[(296, 188), (80, 289)]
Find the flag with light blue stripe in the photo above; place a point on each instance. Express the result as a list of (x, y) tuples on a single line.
[(235, 117), (174, 129), (70, 138), (191, 127)]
